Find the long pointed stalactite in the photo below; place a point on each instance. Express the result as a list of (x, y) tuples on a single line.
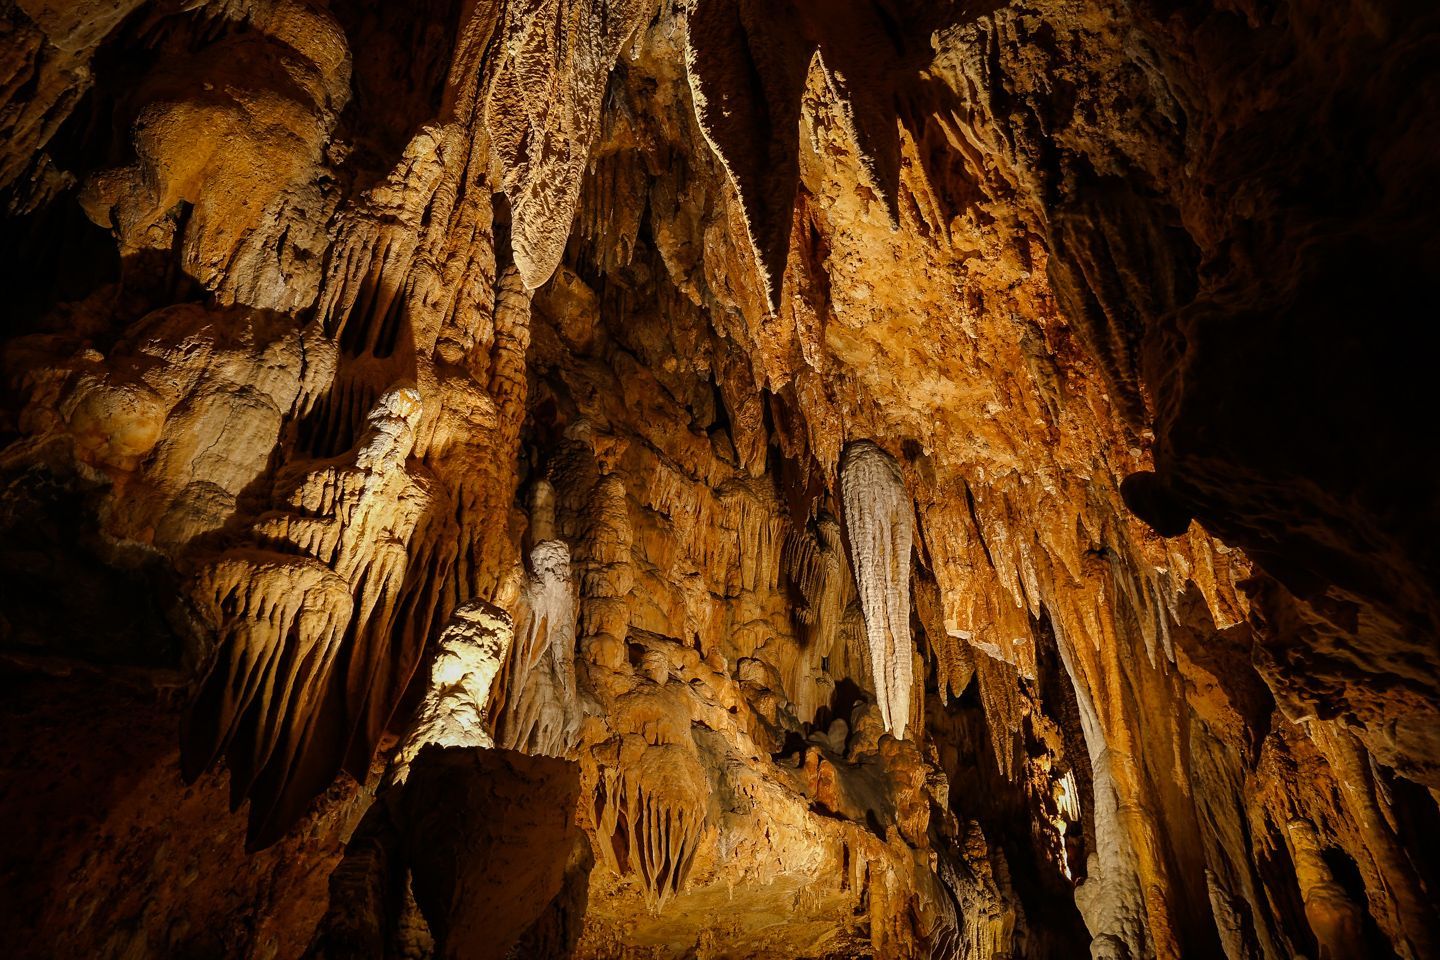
[(644, 479), (878, 519)]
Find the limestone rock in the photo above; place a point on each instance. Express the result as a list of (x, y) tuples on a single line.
[(909, 479)]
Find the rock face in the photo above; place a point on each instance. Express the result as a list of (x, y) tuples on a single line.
[(713, 478)]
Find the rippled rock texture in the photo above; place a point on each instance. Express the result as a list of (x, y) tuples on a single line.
[(719, 478)]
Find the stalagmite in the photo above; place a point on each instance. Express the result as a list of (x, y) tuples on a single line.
[(542, 710), (548, 602), (879, 519), (607, 575), (470, 652)]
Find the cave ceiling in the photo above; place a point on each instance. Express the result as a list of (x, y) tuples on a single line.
[(652, 479)]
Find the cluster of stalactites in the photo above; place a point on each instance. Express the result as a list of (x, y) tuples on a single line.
[(650, 823), (328, 577), (817, 567), (826, 611), (732, 534), (879, 519)]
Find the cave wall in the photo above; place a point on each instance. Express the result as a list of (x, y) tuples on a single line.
[(938, 469)]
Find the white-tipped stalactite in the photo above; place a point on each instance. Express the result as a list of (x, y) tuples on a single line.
[(880, 522)]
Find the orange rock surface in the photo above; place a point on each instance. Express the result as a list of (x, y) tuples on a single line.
[(719, 479)]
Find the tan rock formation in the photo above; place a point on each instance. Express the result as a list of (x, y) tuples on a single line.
[(470, 654), (720, 479)]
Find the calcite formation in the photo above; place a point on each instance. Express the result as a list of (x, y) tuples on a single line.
[(878, 515), (470, 653), (720, 479)]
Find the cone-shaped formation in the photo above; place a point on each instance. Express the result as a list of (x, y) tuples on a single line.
[(542, 710), (470, 652), (879, 519)]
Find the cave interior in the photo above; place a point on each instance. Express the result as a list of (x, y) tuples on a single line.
[(719, 479)]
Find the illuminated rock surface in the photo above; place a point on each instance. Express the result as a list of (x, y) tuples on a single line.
[(719, 479)]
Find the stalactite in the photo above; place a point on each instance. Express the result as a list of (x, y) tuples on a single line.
[(754, 532), (953, 657), (816, 567), (733, 531), (378, 239), (541, 109), (304, 291), (879, 519), (1334, 918), (1111, 897), (1399, 901), (651, 820), (282, 621)]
